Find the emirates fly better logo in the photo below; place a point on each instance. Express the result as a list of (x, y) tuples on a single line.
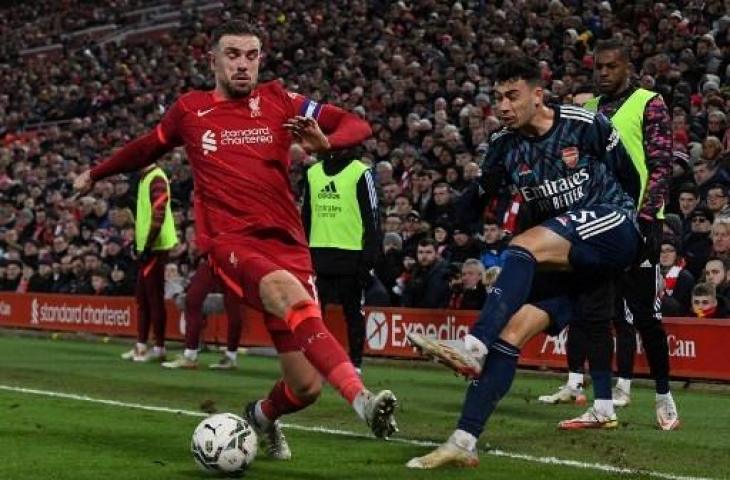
[(209, 143)]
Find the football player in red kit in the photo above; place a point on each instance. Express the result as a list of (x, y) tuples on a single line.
[(237, 139)]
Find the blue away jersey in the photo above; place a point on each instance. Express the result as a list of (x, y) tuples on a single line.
[(579, 163)]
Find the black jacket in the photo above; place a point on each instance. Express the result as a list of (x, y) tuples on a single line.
[(40, 284), (696, 248), (428, 288), (335, 261)]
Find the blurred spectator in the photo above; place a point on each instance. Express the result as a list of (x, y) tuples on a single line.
[(697, 245), (463, 245), (442, 235), (494, 244), (42, 279), (706, 303), (428, 286), (100, 281), (720, 235), (389, 266), (442, 209), (120, 283), (469, 292), (706, 175), (716, 273), (13, 276), (174, 283), (414, 230), (717, 201), (678, 282), (688, 200)]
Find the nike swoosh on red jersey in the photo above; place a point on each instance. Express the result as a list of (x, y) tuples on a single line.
[(205, 112)]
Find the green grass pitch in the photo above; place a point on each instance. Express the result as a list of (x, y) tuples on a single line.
[(47, 437)]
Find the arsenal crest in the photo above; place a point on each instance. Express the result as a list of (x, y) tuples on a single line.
[(570, 156)]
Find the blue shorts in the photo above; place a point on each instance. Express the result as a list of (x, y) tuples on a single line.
[(603, 243), (601, 238)]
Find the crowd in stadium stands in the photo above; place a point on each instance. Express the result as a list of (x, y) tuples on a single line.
[(419, 71)]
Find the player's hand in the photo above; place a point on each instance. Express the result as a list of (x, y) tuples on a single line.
[(307, 133), (83, 183), (652, 231)]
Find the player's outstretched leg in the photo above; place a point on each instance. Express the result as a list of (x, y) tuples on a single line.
[(535, 246), (484, 393), (284, 296)]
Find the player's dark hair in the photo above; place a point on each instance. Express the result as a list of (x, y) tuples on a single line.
[(234, 27), (612, 44), (519, 68)]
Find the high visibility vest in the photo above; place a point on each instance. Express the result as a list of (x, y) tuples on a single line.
[(336, 219), (629, 121), (168, 236)]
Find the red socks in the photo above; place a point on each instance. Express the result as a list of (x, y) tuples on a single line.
[(322, 349), (281, 400)]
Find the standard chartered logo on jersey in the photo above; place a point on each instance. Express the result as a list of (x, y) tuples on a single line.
[(63, 313), (557, 194), (248, 136)]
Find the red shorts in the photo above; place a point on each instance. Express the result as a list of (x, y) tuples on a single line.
[(243, 260)]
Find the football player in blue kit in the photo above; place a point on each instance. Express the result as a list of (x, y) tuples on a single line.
[(578, 190)]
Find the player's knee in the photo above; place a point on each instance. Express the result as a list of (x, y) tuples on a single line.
[(279, 290)]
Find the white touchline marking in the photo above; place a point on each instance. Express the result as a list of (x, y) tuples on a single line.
[(345, 433)]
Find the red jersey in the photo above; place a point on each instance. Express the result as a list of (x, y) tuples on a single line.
[(239, 153)]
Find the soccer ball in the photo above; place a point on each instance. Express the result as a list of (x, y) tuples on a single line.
[(224, 443)]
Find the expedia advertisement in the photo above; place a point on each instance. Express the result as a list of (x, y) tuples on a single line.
[(697, 348)]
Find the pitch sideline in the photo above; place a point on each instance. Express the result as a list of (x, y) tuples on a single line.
[(345, 433)]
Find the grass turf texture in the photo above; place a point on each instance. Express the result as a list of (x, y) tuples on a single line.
[(56, 438)]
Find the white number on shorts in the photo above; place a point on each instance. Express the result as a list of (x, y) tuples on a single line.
[(585, 215)]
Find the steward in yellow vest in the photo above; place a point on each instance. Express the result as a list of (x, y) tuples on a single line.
[(644, 125), (340, 216), (154, 236)]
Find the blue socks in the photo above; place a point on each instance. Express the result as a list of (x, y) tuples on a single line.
[(507, 295), (484, 394)]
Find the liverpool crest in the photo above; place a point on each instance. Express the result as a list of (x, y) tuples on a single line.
[(254, 104)]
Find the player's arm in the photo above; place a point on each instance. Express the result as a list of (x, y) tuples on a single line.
[(137, 154), (159, 200), (494, 174), (321, 127), (658, 153)]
